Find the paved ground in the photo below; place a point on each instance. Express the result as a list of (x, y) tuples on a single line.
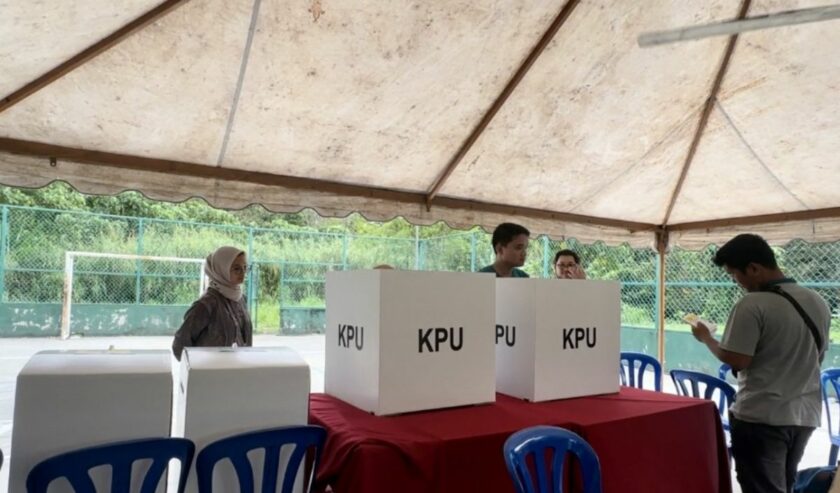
[(15, 353)]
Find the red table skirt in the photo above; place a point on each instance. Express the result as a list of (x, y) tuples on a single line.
[(645, 441)]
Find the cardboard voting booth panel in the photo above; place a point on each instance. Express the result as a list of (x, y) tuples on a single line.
[(68, 400), (402, 341), (557, 338), (227, 391)]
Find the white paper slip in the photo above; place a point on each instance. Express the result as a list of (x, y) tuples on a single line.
[(692, 319)]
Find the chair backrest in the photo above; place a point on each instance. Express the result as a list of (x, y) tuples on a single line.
[(830, 376), (535, 442), (815, 480), (688, 383), (723, 370), (121, 456), (633, 375), (236, 448)]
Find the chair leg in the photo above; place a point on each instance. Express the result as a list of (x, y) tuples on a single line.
[(832, 455)]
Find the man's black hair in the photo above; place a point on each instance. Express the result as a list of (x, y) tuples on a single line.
[(506, 232), (568, 253), (743, 250)]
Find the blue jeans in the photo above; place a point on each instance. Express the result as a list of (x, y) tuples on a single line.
[(766, 456)]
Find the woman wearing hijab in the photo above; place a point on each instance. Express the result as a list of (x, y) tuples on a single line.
[(219, 317)]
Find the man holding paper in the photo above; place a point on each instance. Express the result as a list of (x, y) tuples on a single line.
[(776, 337)]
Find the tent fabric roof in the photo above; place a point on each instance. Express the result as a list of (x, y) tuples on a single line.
[(545, 112)]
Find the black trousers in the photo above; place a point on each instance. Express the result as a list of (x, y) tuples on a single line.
[(766, 456)]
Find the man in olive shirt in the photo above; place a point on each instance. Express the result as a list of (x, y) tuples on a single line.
[(778, 360), (510, 242)]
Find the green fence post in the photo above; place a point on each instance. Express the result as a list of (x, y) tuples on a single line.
[(4, 242), (280, 299), (422, 254), (344, 245), (251, 292), (417, 261), (546, 257), (138, 265), (472, 251), (255, 279)]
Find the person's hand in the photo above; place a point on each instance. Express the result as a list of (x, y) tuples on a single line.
[(701, 331), (575, 272)]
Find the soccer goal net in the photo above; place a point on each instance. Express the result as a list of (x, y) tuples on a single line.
[(123, 279)]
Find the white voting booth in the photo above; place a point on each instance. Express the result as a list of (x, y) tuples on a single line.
[(401, 341), (226, 391), (67, 400), (557, 338)]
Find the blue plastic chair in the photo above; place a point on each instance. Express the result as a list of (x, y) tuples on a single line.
[(121, 456), (724, 370), (629, 372), (236, 448), (814, 479), (725, 392), (832, 376), (535, 442)]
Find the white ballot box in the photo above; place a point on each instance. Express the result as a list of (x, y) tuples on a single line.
[(557, 338), (401, 341), (67, 400), (227, 391)]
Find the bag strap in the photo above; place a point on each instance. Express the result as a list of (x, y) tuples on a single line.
[(810, 323)]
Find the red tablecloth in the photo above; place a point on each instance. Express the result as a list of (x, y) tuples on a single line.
[(646, 442)]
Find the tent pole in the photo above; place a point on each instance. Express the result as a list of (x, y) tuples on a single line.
[(661, 252)]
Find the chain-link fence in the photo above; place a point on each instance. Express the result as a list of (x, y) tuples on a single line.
[(285, 285), (695, 285)]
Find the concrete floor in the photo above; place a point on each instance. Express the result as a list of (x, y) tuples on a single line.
[(16, 352)]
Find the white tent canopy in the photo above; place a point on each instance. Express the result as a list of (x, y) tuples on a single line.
[(543, 112)]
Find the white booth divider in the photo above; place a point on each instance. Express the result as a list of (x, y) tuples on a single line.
[(227, 391), (401, 341), (68, 400), (557, 338)]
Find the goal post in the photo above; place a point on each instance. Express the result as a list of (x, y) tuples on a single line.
[(69, 268)]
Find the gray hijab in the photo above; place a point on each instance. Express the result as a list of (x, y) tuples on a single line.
[(217, 268)]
